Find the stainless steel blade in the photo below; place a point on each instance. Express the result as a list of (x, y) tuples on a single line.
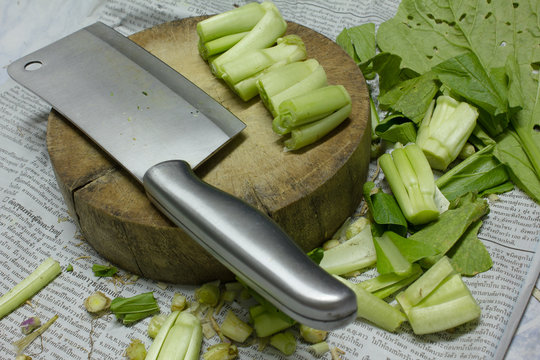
[(138, 109)]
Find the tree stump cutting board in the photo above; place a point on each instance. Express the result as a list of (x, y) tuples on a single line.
[(309, 193)]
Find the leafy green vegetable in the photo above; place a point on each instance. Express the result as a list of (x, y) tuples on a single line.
[(134, 308), (396, 129), (316, 255), (487, 52), (268, 321), (104, 270), (479, 172), (411, 97), (510, 152), (389, 258), (469, 256), (451, 225), (413, 250), (359, 43), (384, 210)]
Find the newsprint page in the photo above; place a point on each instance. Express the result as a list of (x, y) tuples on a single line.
[(35, 224)]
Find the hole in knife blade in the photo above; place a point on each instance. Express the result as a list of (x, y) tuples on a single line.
[(33, 65)]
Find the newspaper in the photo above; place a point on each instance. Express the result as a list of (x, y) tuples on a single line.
[(34, 222)]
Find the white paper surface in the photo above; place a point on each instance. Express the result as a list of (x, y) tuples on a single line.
[(34, 223)]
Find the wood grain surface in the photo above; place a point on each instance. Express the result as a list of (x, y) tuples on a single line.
[(309, 193)]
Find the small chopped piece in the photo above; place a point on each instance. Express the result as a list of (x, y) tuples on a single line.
[(284, 342), (208, 293), (30, 324), (69, 268), (234, 328), (136, 350), (311, 335), (179, 302), (221, 351), (104, 270), (97, 303), (155, 324), (319, 348)]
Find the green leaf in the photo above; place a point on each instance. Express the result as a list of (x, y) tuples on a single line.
[(396, 128), (316, 255), (134, 308), (388, 67), (411, 97), (469, 256), (104, 270), (510, 152), (413, 250), (477, 173), (344, 40), (384, 209), (389, 258), (466, 77), (444, 232)]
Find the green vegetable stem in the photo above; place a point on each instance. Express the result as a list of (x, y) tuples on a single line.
[(266, 31), (443, 132), (38, 279), (411, 180), (179, 338), (309, 107)]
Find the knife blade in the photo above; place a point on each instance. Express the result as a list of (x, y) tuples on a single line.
[(159, 126)]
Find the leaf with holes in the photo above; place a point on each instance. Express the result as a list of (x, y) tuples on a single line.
[(503, 36)]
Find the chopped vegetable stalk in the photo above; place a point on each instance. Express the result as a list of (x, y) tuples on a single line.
[(389, 258), (439, 301), (23, 343), (422, 287), (208, 293), (311, 106), (289, 49), (354, 254), (316, 79), (97, 303), (442, 134), (157, 344), (319, 349), (311, 335), (284, 342), (265, 33), (184, 339), (374, 309), (247, 88), (221, 351), (411, 180), (267, 322), (134, 308), (356, 226), (136, 350), (155, 324), (277, 80), (234, 21), (234, 328), (307, 134), (38, 279), (385, 285), (222, 44)]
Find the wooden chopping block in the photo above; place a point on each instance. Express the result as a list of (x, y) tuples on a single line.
[(309, 193)]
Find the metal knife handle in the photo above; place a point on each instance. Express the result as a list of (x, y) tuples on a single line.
[(252, 246)]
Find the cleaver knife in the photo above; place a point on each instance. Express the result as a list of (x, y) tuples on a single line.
[(159, 126)]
